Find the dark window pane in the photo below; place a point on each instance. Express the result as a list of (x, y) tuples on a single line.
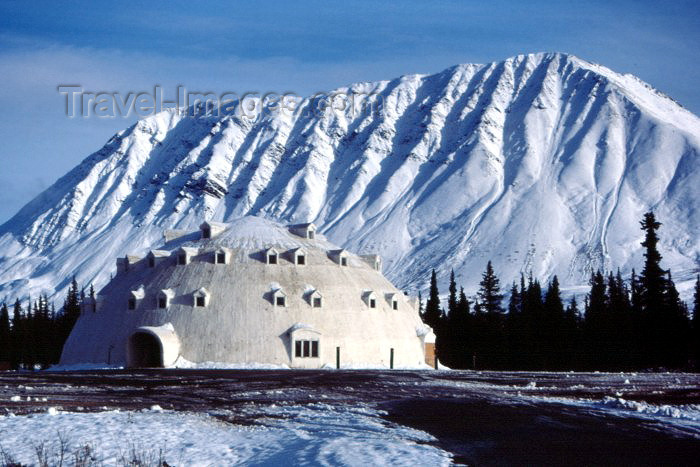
[(307, 348), (301, 259), (182, 259), (372, 303), (272, 259), (206, 233), (200, 301), (343, 261), (280, 301), (151, 262), (162, 303), (221, 258), (311, 234), (314, 349), (317, 303), (297, 348), (132, 304), (395, 305)]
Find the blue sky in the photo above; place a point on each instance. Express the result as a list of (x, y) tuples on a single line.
[(288, 46)]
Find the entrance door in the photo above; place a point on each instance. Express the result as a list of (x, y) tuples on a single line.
[(145, 351)]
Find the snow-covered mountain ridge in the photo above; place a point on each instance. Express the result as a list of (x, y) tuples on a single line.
[(542, 163)]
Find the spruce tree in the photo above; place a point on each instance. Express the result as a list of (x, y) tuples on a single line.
[(4, 334), (552, 326), (489, 291), (652, 287), (432, 314), (695, 343)]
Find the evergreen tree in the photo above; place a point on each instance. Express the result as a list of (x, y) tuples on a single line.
[(653, 284), (489, 323), (452, 299), (433, 313), (596, 325), (695, 343), (16, 356), (4, 334), (552, 327), (489, 291)]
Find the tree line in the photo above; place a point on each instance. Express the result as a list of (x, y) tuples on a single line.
[(34, 336), (640, 323)]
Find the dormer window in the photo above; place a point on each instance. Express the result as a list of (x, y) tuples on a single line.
[(156, 256), (211, 229), (299, 257), (370, 299), (221, 256), (185, 254), (163, 299), (340, 257), (201, 298), (279, 298), (315, 299), (393, 300), (134, 297), (182, 259), (271, 256), (304, 230)]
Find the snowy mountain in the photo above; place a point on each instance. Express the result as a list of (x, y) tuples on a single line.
[(542, 163)]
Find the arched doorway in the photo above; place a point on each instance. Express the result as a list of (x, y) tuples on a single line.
[(145, 351), (153, 347)]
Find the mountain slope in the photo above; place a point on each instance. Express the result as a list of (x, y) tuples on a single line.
[(542, 163)]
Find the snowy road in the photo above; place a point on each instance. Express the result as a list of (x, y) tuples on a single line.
[(282, 417)]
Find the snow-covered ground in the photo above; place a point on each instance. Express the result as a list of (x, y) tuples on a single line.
[(314, 434), (349, 417)]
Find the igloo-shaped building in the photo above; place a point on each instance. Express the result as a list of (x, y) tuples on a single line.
[(250, 292)]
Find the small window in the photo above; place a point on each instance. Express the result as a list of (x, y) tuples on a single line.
[(221, 258), (162, 302), (280, 301), (132, 304), (199, 301), (301, 260), (317, 302), (306, 349), (343, 261), (206, 233), (182, 259), (372, 303), (310, 235), (151, 262), (272, 259), (395, 305)]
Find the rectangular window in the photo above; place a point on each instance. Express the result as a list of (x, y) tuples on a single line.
[(306, 349), (132, 304), (343, 261), (151, 262), (372, 303), (206, 233), (272, 259), (182, 259), (199, 301), (311, 234), (317, 302), (279, 301), (301, 259), (162, 303), (221, 258), (395, 305)]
